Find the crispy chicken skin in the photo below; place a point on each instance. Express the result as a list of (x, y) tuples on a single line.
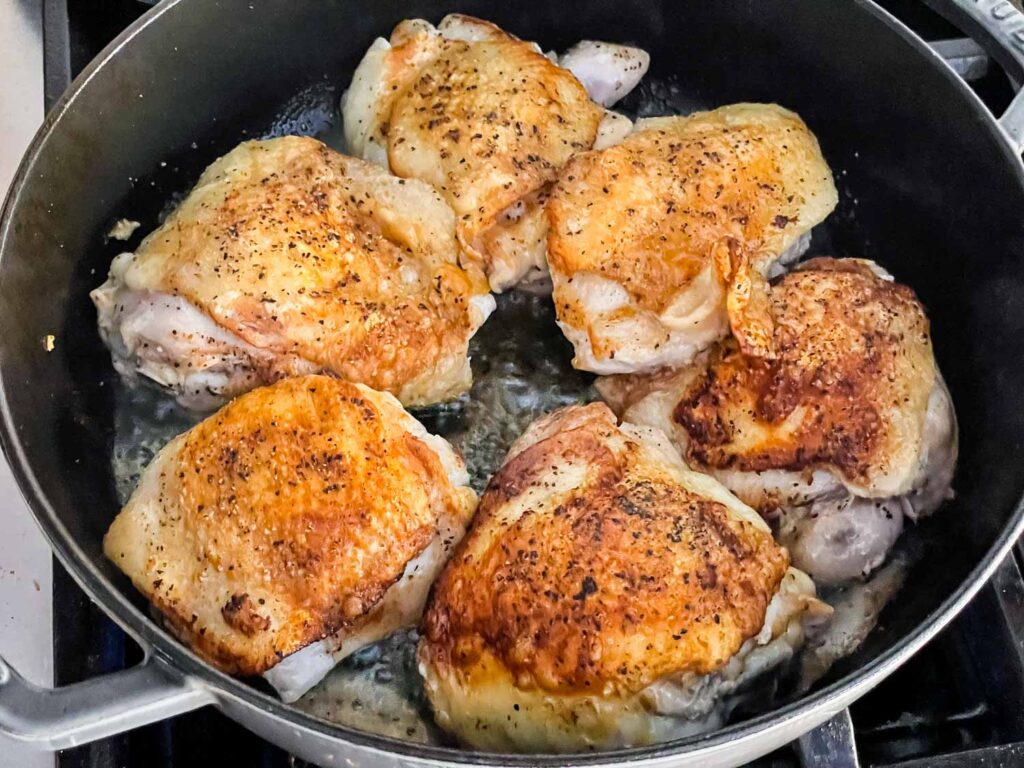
[(289, 258), (601, 591), (851, 409), (488, 120), (287, 518), (661, 242)]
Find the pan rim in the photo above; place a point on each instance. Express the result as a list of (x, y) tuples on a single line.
[(808, 710)]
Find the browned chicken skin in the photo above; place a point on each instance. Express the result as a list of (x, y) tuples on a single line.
[(290, 258), (598, 573), (486, 118), (660, 243), (477, 149), (851, 408), (285, 519)]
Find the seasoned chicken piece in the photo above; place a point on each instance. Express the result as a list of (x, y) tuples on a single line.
[(300, 522), (608, 71), (605, 596), (288, 258), (488, 120), (660, 243), (849, 429)]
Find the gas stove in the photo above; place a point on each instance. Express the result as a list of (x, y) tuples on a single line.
[(957, 703)]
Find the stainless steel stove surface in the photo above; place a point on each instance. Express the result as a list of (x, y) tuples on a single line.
[(960, 702)]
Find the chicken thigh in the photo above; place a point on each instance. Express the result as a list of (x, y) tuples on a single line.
[(302, 521), (846, 432), (606, 596), (662, 242), (488, 120), (288, 258)]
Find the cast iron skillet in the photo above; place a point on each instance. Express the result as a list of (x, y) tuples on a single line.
[(932, 187)]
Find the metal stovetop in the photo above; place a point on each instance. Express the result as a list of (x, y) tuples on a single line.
[(25, 560), (957, 703)]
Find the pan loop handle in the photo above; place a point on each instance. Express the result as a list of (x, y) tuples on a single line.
[(60, 718), (998, 27)]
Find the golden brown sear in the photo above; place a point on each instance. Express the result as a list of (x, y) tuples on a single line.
[(285, 519), (483, 116), (300, 259), (847, 390), (597, 567), (661, 242), (854, 356), (848, 430)]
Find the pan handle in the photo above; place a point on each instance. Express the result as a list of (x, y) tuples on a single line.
[(59, 718), (998, 27), (832, 743)]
